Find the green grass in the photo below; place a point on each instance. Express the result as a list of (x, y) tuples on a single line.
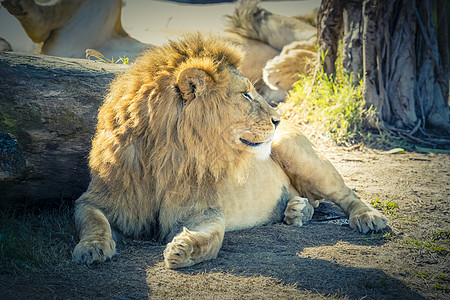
[(441, 235), (438, 242), (410, 219), (388, 207), (333, 103), (92, 53), (374, 238), (438, 280), (335, 108), (35, 239)]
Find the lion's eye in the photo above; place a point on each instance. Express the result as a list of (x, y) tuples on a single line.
[(247, 96)]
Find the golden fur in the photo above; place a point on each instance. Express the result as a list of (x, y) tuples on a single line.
[(68, 28), (186, 149), (266, 34), (296, 58), (254, 22)]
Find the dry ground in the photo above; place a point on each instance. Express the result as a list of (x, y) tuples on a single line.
[(322, 260)]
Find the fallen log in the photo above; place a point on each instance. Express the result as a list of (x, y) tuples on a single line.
[(48, 114)]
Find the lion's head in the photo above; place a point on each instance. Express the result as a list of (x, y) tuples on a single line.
[(182, 115)]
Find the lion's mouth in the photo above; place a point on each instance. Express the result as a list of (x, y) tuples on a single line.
[(248, 143)]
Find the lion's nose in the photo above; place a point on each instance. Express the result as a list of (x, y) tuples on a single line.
[(275, 121)]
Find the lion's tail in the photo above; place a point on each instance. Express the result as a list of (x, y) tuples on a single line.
[(251, 21)]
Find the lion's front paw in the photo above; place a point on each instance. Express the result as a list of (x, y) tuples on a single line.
[(298, 211), (368, 220), (178, 252), (89, 251)]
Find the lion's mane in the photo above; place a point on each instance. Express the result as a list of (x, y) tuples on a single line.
[(156, 156)]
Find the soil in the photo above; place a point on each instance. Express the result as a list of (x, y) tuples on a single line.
[(324, 259)]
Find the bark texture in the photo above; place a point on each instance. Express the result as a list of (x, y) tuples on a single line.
[(351, 40), (329, 31), (404, 59), (48, 114)]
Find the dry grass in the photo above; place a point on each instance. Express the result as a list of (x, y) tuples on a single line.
[(31, 239), (216, 285)]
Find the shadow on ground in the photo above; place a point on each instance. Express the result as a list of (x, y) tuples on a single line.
[(276, 252), (263, 262)]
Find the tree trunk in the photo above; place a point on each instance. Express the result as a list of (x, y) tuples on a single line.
[(351, 41), (48, 114), (329, 32), (399, 28), (373, 96), (443, 43), (405, 59), (431, 82)]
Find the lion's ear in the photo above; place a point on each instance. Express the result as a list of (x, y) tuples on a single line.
[(192, 82)]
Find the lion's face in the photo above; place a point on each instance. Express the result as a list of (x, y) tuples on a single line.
[(227, 110), (255, 120)]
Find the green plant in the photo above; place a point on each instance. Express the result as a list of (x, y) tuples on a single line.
[(441, 235), (439, 243), (389, 207), (422, 274), (442, 276), (410, 219), (437, 279), (92, 53), (441, 286), (376, 237), (334, 107), (429, 246), (333, 103)]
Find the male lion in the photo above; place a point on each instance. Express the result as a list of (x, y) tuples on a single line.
[(186, 149)]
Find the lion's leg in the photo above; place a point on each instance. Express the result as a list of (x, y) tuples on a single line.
[(197, 242), (298, 211), (39, 20), (314, 176), (96, 241)]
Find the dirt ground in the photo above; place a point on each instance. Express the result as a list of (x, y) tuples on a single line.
[(324, 259)]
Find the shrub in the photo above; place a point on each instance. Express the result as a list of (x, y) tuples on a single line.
[(333, 104)]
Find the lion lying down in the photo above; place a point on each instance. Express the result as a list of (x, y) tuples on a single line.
[(185, 150), (77, 28)]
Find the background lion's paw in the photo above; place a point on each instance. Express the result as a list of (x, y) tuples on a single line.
[(298, 211), (94, 251), (178, 253), (367, 221)]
